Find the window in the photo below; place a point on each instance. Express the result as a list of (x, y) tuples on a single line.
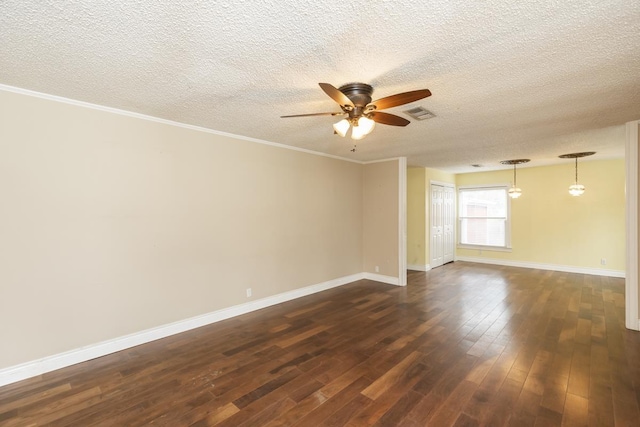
[(484, 216)]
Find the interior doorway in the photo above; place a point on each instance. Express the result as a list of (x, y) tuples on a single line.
[(442, 227)]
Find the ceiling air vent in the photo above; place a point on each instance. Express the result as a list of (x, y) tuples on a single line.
[(420, 113)]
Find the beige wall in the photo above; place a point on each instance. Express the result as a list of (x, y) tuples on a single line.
[(550, 226), (381, 217), (111, 225)]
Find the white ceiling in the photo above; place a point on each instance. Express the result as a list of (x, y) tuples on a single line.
[(510, 79)]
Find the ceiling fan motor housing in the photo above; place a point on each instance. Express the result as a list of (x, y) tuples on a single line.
[(360, 95)]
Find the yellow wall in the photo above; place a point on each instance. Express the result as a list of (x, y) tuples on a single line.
[(437, 175), (417, 240), (549, 226), (111, 225)]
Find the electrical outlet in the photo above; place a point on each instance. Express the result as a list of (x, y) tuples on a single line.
[(248, 292), (603, 261), (377, 269)]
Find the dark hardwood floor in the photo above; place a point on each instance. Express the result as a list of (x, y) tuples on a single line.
[(462, 345)]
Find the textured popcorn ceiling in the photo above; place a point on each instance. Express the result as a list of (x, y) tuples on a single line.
[(510, 79)]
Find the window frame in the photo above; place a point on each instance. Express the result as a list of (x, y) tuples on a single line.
[(507, 224)]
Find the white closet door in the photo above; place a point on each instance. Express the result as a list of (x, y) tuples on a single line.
[(443, 207), (437, 227)]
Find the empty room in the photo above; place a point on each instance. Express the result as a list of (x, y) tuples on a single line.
[(322, 213)]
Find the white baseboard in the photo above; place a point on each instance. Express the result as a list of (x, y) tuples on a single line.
[(417, 267), (57, 361), (541, 266), (382, 278)]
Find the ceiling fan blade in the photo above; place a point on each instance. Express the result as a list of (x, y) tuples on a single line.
[(336, 95), (401, 98), (388, 119), (313, 114)]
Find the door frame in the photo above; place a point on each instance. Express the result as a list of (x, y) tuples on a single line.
[(633, 235)]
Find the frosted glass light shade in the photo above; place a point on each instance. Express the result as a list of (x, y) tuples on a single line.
[(515, 192), (357, 132), (366, 125), (576, 190), (341, 127)]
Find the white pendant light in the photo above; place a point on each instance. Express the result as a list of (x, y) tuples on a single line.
[(577, 189), (514, 192)]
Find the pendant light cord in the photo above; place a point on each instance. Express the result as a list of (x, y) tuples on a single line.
[(514, 175), (576, 170)]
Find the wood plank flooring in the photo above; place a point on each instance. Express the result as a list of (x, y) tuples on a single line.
[(462, 345)]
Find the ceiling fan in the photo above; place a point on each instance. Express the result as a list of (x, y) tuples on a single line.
[(362, 114)]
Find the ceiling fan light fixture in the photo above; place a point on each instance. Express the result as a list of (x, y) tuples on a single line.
[(358, 132), (366, 125), (342, 127)]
